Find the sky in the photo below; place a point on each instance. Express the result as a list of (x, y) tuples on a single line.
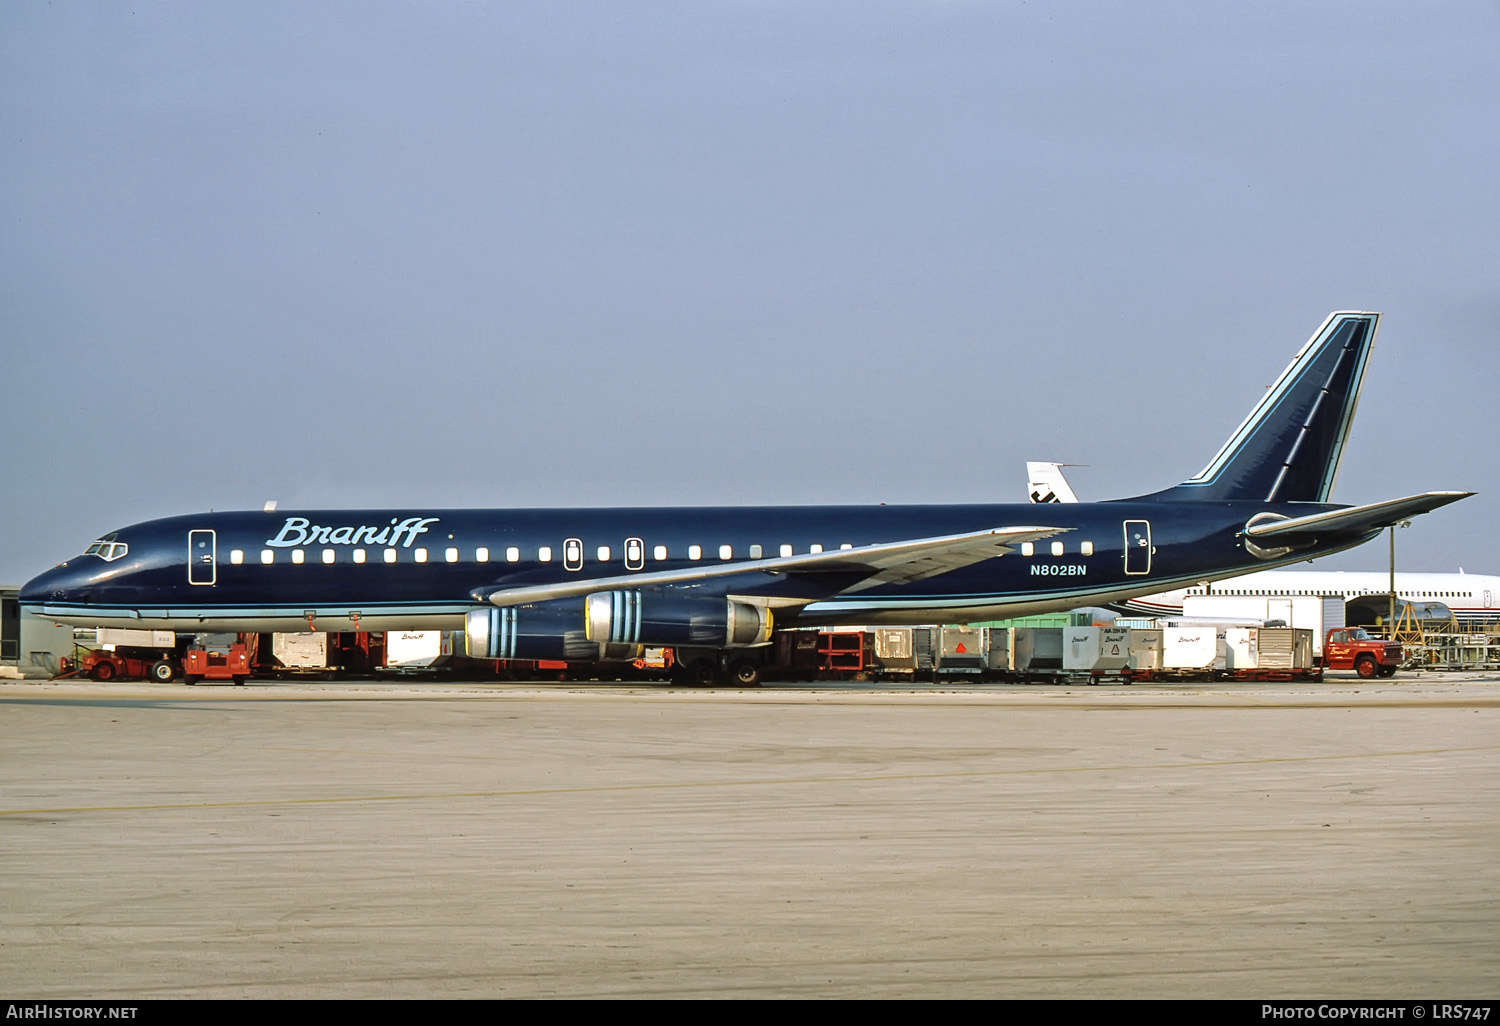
[(597, 254)]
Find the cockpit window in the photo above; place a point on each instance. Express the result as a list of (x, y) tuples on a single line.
[(107, 549)]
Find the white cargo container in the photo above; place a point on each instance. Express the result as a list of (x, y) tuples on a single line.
[(111, 638), (1096, 649), (1145, 648), (1199, 647), (1242, 648), (417, 650), (301, 650), (1317, 613)]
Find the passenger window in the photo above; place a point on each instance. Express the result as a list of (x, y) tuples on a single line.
[(481, 555), (1057, 548), (390, 555), (1087, 548), (695, 552), (450, 555), (1028, 549), (268, 556), (786, 550), (603, 553), (544, 554), (513, 555), (237, 556), (359, 555), (815, 548), (659, 553), (328, 555), (297, 555), (846, 545), (755, 552), (420, 555), (726, 552)]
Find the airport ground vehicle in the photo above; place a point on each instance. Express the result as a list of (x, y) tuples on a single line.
[(1352, 648), (218, 662)]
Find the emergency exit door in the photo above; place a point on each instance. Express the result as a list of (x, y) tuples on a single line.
[(203, 563), (1137, 547)]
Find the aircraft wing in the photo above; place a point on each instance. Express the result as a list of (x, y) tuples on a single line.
[(1354, 520), (868, 565)]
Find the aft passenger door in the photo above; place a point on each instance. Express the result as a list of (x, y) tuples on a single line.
[(1137, 547), (203, 563)]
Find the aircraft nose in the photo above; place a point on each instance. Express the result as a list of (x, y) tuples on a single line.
[(55, 584)]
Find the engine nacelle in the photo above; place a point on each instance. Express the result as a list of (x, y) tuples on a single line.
[(651, 618), (546, 630)]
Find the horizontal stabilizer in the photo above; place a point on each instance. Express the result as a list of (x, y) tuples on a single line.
[(1355, 520), (884, 563)]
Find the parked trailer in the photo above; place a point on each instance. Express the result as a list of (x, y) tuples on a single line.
[(1317, 613)]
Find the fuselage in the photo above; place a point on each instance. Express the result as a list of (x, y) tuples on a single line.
[(416, 569)]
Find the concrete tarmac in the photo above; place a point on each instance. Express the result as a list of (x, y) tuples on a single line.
[(498, 840)]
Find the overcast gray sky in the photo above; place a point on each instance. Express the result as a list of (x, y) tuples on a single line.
[(459, 254)]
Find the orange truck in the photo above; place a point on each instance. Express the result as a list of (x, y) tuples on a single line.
[(1350, 648)]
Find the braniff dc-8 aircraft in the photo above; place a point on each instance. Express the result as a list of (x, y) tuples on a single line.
[(717, 582)]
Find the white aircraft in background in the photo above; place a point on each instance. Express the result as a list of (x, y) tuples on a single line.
[(1468, 596)]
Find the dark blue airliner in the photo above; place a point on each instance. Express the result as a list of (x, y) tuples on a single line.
[(598, 584)]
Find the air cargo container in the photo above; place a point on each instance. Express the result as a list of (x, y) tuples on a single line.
[(1286, 648), (1198, 648), (997, 649), (417, 650), (300, 650), (960, 650), (1096, 649), (1037, 649), (1145, 649), (893, 650)]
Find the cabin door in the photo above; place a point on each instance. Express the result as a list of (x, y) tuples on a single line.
[(1137, 547), (203, 563)]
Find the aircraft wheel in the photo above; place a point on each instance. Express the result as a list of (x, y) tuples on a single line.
[(103, 670), (701, 673), (745, 674), (163, 671), (1365, 666)]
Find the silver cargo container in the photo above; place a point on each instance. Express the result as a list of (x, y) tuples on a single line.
[(1286, 648), (961, 648), (302, 650), (997, 648), (894, 651), (1038, 648)]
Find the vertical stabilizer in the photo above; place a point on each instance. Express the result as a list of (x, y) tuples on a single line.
[(1288, 449)]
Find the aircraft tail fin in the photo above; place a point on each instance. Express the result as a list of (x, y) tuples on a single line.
[(1045, 482), (1288, 449)]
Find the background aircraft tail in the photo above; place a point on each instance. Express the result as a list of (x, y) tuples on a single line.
[(1288, 449)]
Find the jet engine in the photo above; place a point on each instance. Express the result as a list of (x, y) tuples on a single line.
[(546, 630), (652, 618)]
